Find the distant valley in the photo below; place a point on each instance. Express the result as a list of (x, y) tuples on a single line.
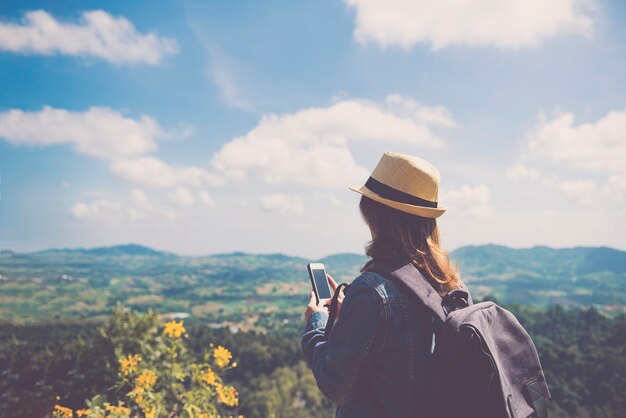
[(252, 291)]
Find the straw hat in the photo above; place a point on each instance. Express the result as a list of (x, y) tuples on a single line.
[(406, 183)]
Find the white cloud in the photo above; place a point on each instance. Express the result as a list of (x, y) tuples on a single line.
[(110, 211), (520, 171), (594, 149), (597, 147), (310, 147), (580, 191), (106, 133), (501, 23), (548, 213), (615, 185), (468, 201), (135, 214), (222, 72), (205, 198), (170, 214), (97, 34), (430, 115), (139, 199), (135, 207), (282, 203), (98, 131), (327, 199), (183, 197), (182, 131), (99, 210), (151, 171)]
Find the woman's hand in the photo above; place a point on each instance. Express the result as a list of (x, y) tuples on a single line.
[(313, 306)]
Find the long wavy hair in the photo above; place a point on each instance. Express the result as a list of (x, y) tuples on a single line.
[(399, 234)]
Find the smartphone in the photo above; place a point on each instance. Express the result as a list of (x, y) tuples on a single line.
[(320, 284)]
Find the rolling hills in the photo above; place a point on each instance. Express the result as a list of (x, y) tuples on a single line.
[(254, 291)]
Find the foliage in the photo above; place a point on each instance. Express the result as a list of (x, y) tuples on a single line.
[(158, 376), (39, 362), (582, 351), (289, 392), (583, 354), (73, 360)]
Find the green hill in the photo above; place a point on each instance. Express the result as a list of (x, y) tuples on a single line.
[(541, 275), (253, 290)]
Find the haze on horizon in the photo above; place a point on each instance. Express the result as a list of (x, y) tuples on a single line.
[(211, 127)]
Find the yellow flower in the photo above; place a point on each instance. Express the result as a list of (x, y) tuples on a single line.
[(174, 329), (227, 395), (234, 364), (138, 393), (129, 364), (150, 413), (82, 412), (146, 379), (118, 409), (65, 412), (208, 377), (222, 356)]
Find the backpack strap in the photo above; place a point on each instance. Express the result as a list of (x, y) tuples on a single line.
[(403, 271), (333, 309), (534, 395)]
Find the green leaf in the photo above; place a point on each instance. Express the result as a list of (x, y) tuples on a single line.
[(96, 401), (178, 372)]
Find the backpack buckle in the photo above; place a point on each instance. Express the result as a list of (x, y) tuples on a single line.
[(457, 299)]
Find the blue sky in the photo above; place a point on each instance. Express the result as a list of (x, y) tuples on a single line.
[(204, 127)]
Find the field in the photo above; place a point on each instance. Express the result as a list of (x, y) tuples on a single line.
[(256, 292)]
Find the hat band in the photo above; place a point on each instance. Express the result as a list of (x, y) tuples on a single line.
[(396, 195)]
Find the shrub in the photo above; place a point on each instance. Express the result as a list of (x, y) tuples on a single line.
[(157, 374)]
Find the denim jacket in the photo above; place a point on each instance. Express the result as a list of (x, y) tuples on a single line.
[(377, 358)]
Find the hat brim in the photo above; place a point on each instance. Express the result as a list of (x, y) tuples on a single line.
[(422, 211)]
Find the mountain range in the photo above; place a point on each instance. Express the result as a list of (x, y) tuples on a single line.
[(236, 287)]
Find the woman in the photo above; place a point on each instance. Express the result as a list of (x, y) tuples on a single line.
[(376, 359)]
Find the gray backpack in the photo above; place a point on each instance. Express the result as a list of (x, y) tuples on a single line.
[(484, 363)]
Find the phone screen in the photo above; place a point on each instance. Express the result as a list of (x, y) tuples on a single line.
[(321, 283)]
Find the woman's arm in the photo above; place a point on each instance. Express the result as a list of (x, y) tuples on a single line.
[(341, 363)]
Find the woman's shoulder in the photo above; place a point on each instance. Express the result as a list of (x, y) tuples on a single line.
[(373, 283), (368, 280)]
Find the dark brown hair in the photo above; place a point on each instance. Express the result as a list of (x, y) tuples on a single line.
[(400, 234)]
